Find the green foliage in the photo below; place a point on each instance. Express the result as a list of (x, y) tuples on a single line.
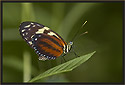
[(65, 67), (105, 22)]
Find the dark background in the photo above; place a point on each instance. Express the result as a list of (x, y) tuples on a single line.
[(105, 23)]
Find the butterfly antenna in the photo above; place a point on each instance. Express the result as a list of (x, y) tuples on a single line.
[(75, 37)]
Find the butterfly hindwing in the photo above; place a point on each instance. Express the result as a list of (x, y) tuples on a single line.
[(45, 45)]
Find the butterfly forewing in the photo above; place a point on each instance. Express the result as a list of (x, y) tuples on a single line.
[(46, 43), (28, 30)]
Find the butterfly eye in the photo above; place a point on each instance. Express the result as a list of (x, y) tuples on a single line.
[(71, 43)]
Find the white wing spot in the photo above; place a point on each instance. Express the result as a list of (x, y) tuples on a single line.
[(46, 28), (30, 42), (29, 29), (52, 33), (39, 35), (42, 30), (34, 25), (26, 33), (36, 39), (25, 38), (23, 30), (32, 36), (23, 34), (27, 26)]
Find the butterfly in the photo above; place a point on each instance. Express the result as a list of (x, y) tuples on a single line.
[(47, 44)]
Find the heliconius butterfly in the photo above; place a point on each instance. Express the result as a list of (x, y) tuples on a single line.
[(47, 44)]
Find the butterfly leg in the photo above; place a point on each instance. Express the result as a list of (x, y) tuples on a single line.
[(63, 58), (75, 53)]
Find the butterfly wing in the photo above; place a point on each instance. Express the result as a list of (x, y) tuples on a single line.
[(46, 43), (28, 29), (48, 46)]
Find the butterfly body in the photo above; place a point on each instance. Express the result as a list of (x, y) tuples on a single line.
[(47, 44)]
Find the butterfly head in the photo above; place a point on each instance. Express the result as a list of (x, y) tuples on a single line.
[(68, 47)]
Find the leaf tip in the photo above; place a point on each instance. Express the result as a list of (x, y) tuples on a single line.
[(94, 52)]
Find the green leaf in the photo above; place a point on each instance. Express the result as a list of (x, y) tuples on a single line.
[(65, 67)]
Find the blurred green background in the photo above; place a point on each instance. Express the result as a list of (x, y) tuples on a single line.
[(105, 23)]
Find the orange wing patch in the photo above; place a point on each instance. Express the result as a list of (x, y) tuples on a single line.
[(49, 50)]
